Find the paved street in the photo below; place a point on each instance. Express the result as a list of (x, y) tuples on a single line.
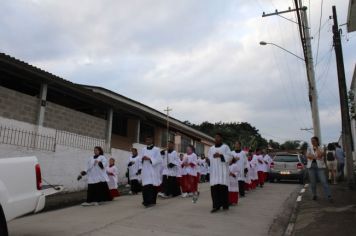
[(125, 216)]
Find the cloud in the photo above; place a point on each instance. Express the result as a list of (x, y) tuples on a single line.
[(202, 58)]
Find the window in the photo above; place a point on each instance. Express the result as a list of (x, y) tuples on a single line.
[(164, 137), (286, 158), (146, 131), (184, 143), (199, 148), (119, 125)]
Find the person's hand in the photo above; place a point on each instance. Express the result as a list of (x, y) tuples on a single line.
[(232, 174), (96, 162), (83, 173), (237, 158), (171, 165), (259, 161), (100, 164), (146, 158), (217, 155)]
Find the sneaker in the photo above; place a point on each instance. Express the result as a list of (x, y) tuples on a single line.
[(184, 195), (130, 193), (190, 194), (214, 210), (84, 204), (195, 198), (161, 194)]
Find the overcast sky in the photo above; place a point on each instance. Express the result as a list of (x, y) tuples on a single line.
[(200, 57)]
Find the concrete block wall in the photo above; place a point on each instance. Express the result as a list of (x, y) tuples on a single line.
[(18, 106), (63, 118)]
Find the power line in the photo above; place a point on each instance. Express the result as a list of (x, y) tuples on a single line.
[(321, 16)]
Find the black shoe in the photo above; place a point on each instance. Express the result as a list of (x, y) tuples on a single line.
[(225, 208), (330, 199), (214, 210), (315, 198)]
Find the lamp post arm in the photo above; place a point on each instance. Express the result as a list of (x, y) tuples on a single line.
[(287, 51)]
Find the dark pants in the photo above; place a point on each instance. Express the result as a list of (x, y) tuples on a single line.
[(220, 196), (149, 194), (340, 170), (242, 188), (98, 192), (135, 186), (171, 186)]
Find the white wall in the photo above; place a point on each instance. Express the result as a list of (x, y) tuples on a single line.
[(64, 164)]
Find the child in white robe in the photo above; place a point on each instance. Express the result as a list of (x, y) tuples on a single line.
[(234, 174), (112, 172)]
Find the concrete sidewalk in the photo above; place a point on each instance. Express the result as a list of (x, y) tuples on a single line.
[(177, 217), (324, 218)]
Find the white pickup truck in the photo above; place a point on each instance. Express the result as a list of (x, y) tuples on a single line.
[(20, 189)]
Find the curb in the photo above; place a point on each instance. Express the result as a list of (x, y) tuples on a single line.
[(290, 228)]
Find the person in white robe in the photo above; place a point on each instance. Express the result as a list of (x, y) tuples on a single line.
[(203, 166), (234, 173), (242, 162), (190, 173), (268, 160), (134, 166), (220, 157), (260, 167), (150, 173), (171, 162), (112, 173), (98, 190), (253, 171)]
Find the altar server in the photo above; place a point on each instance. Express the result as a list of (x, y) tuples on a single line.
[(234, 173), (151, 173), (112, 173), (243, 164), (170, 162), (220, 157), (190, 173), (134, 166)]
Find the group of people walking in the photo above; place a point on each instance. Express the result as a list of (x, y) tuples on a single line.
[(169, 174)]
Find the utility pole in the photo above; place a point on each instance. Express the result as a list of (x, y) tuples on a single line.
[(345, 116), (308, 58), (313, 93)]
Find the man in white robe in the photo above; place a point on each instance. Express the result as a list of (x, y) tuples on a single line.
[(150, 173), (243, 164), (220, 157), (170, 163), (268, 160)]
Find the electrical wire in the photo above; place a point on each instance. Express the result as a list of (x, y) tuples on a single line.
[(321, 16)]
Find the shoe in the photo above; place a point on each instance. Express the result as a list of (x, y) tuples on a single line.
[(130, 193), (195, 198), (330, 199), (214, 210), (150, 205), (161, 194), (225, 208), (184, 195), (190, 194), (315, 198), (84, 204)]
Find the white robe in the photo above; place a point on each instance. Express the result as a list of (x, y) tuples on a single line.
[(151, 170), (190, 159), (267, 159), (260, 162), (219, 170), (233, 181), (242, 162), (134, 168), (112, 175), (172, 158), (203, 166), (253, 169), (94, 173)]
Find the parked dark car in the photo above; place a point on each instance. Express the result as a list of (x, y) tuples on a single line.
[(287, 166)]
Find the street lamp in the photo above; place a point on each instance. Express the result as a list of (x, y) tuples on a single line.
[(263, 43)]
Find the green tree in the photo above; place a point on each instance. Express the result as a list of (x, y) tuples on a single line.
[(232, 131)]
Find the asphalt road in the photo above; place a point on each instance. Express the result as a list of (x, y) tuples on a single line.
[(125, 216)]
